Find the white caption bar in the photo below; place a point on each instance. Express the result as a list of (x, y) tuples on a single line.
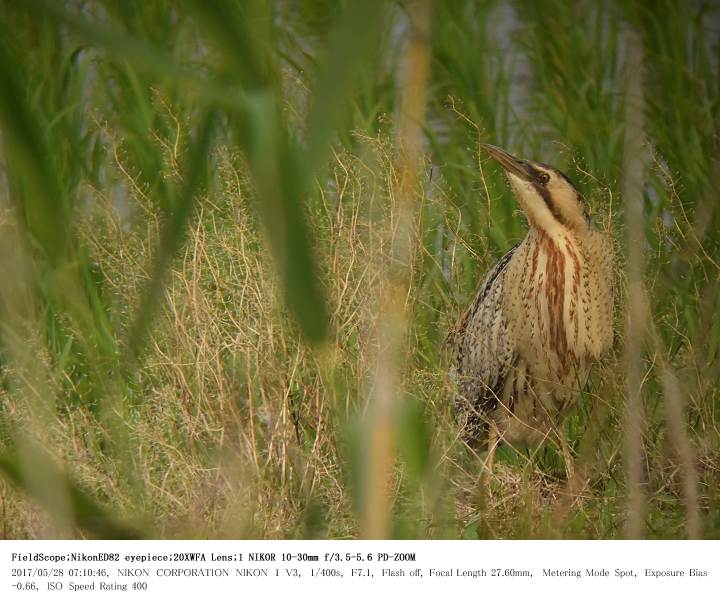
[(323, 571)]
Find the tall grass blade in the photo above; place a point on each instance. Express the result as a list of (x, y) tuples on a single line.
[(633, 183), (243, 37), (44, 210), (392, 321), (341, 65)]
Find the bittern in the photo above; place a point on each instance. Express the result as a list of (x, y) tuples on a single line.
[(524, 348)]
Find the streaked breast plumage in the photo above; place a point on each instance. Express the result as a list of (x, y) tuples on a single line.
[(524, 348)]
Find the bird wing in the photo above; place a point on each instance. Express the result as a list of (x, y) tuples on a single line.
[(484, 348)]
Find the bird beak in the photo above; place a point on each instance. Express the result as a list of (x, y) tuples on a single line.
[(510, 163)]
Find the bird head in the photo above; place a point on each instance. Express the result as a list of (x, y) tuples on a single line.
[(546, 195)]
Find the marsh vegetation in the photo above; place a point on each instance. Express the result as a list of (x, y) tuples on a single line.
[(200, 206)]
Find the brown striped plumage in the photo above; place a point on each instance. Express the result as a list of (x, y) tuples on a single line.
[(523, 349)]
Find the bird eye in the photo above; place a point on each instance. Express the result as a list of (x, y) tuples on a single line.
[(543, 178)]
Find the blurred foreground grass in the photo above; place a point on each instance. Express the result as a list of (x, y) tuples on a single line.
[(198, 209)]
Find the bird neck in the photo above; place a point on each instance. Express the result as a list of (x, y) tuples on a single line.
[(547, 215), (559, 234)]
